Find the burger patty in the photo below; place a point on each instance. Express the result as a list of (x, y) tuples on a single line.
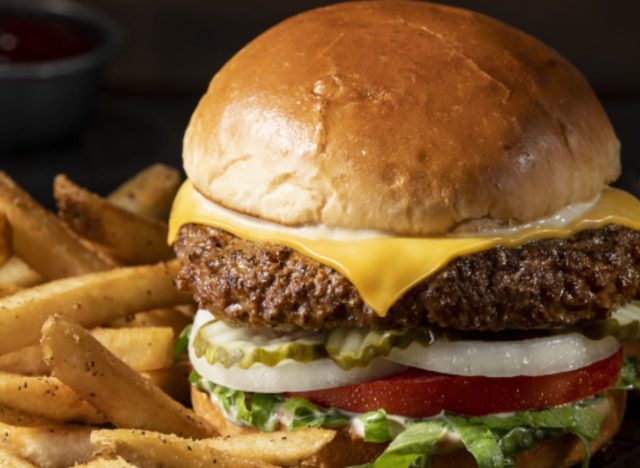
[(542, 284)]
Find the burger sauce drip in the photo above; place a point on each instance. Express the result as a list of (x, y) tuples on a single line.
[(25, 38)]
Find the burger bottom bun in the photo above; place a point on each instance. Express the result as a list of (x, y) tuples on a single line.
[(346, 450)]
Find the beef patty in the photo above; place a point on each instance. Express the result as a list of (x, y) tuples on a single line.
[(542, 284)]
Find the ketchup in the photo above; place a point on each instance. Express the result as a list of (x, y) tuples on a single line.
[(29, 38)]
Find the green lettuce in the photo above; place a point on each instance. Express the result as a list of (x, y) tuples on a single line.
[(479, 440), (256, 410), (303, 413), (182, 343), (629, 377), (492, 440), (375, 426), (413, 446)]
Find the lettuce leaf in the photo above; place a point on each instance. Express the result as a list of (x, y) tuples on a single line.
[(479, 440), (182, 343), (413, 446), (574, 418), (629, 377), (303, 413), (256, 410), (375, 426)]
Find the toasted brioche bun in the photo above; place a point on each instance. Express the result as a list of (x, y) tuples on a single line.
[(406, 117), (346, 449)]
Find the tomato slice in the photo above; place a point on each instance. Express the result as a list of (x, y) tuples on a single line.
[(419, 393)]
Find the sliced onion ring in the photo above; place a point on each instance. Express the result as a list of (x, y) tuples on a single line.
[(288, 376), (532, 357)]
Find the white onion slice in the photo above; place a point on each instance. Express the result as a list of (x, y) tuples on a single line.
[(287, 376), (532, 357)]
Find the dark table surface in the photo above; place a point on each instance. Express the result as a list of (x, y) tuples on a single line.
[(132, 130)]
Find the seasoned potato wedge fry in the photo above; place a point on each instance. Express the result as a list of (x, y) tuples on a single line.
[(17, 273), (143, 349), (280, 448), (18, 418), (123, 395), (90, 300), (130, 237), (174, 381), (25, 361), (102, 462), (149, 193), (9, 459), (152, 449), (6, 244), (172, 317), (48, 446), (41, 239), (46, 397), (9, 290)]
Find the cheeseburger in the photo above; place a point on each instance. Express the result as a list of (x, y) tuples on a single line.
[(398, 226)]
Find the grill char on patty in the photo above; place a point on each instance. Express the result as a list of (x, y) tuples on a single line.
[(542, 284)]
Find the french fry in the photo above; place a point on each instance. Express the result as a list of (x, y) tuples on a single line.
[(48, 446), (172, 317), (143, 349), (41, 239), (17, 273), (8, 458), (103, 462), (90, 300), (130, 237), (8, 290), (25, 361), (151, 449), (149, 193), (45, 397), (6, 245), (123, 395), (174, 381), (279, 448), (18, 418)]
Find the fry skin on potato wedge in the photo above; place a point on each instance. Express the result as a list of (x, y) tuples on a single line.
[(170, 317), (124, 396), (152, 449), (142, 349), (174, 381), (12, 460), (103, 462), (17, 273), (127, 236), (90, 300), (48, 446), (6, 244), (149, 193), (47, 398), (41, 239)]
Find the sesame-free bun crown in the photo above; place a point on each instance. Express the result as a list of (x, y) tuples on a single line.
[(407, 117)]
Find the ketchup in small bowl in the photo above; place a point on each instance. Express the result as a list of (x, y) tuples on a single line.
[(52, 54), (29, 38)]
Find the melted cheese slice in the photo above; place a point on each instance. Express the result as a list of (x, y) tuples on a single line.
[(383, 268)]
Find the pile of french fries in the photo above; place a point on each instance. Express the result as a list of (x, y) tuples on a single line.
[(89, 316)]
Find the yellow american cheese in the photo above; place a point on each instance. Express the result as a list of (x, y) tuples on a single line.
[(383, 268)]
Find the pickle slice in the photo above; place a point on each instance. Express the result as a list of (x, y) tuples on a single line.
[(221, 344), (356, 347), (623, 325)]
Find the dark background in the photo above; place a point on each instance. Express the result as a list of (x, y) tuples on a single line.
[(172, 48)]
